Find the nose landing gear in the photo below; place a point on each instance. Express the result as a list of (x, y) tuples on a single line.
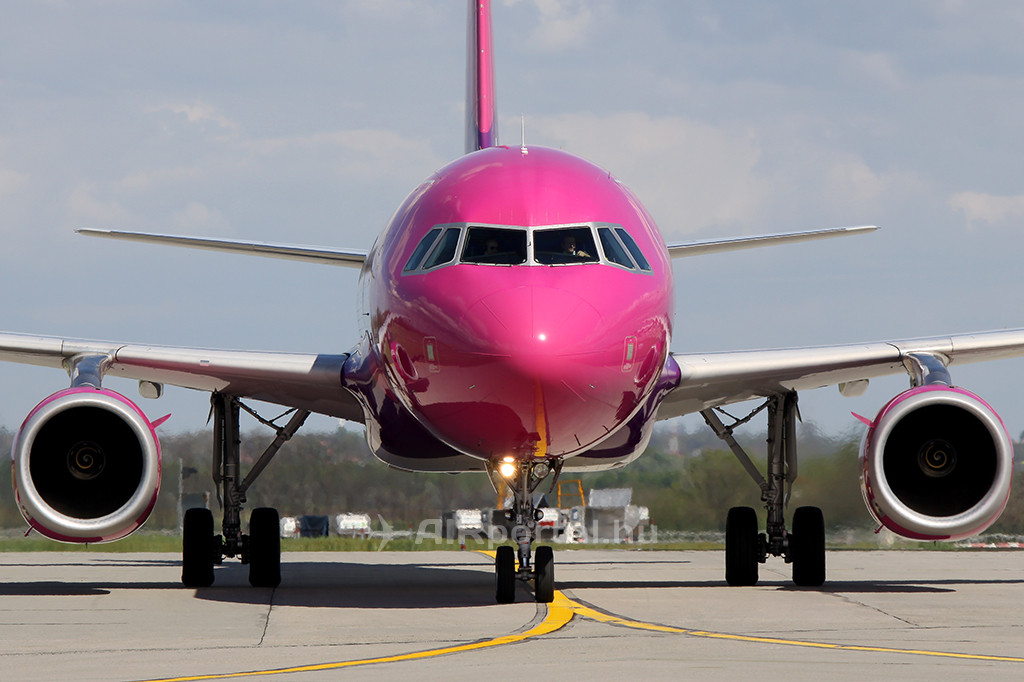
[(523, 478)]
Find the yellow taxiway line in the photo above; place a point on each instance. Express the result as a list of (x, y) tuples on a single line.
[(559, 613), (557, 616), (593, 614)]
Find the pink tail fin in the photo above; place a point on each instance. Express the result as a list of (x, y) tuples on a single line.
[(481, 121)]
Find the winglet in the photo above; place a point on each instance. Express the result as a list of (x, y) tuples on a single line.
[(481, 121)]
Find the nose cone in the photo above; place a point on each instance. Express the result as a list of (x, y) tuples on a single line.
[(547, 358), (537, 325)]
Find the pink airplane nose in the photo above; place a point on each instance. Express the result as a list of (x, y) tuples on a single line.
[(544, 356), (535, 322)]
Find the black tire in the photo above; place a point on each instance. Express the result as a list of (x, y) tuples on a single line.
[(544, 575), (808, 547), (505, 575), (264, 548), (197, 545), (741, 555)]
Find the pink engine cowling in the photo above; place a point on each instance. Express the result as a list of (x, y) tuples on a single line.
[(86, 466), (936, 464)]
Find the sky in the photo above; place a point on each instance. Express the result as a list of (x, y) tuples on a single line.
[(309, 122)]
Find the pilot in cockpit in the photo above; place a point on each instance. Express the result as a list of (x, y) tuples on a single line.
[(569, 247)]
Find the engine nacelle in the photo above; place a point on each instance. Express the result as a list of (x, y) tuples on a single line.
[(86, 466), (936, 464)]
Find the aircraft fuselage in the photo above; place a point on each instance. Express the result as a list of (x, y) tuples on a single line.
[(519, 304)]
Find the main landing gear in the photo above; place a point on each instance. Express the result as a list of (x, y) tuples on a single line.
[(523, 478), (261, 547), (745, 548)]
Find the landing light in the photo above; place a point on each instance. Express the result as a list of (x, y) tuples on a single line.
[(507, 468)]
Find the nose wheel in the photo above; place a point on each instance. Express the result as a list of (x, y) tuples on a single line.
[(506, 574), (537, 566), (544, 575)]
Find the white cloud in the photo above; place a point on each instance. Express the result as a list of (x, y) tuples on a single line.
[(196, 218), (561, 23), (689, 175), (199, 112), (160, 177), (980, 208), (88, 211), (693, 176), (384, 8), (358, 154), (11, 182), (850, 177), (877, 67)]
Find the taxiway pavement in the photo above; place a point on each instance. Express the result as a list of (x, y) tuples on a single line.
[(618, 614)]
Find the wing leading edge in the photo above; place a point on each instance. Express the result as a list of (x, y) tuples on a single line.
[(353, 258), (303, 380), (713, 379), (701, 248)]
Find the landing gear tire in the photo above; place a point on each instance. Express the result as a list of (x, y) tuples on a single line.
[(544, 575), (197, 548), (808, 538), (264, 548), (741, 550), (505, 575)]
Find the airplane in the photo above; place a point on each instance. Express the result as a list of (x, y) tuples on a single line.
[(517, 318)]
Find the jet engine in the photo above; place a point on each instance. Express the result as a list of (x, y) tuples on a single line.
[(936, 464), (86, 466)]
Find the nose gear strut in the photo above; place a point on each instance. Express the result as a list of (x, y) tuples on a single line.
[(523, 518)]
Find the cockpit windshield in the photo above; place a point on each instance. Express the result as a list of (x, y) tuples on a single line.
[(495, 246), (564, 245), (504, 245)]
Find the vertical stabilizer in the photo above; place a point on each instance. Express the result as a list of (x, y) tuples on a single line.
[(481, 121)]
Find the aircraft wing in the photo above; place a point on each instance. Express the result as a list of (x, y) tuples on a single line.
[(701, 248), (305, 380), (713, 379), (352, 258)]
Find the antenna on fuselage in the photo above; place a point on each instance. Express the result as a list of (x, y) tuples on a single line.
[(522, 146)]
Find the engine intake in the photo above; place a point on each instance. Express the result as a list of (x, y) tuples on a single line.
[(86, 466), (936, 464)]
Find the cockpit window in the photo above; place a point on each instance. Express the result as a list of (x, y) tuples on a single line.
[(543, 245), (444, 252), (564, 245), (421, 249), (613, 250), (634, 250), (495, 246)]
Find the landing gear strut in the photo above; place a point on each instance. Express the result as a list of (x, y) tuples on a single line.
[(745, 548), (261, 547), (523, 479)]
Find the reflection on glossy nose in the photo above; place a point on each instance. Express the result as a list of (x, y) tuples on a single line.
[(535, 321)]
